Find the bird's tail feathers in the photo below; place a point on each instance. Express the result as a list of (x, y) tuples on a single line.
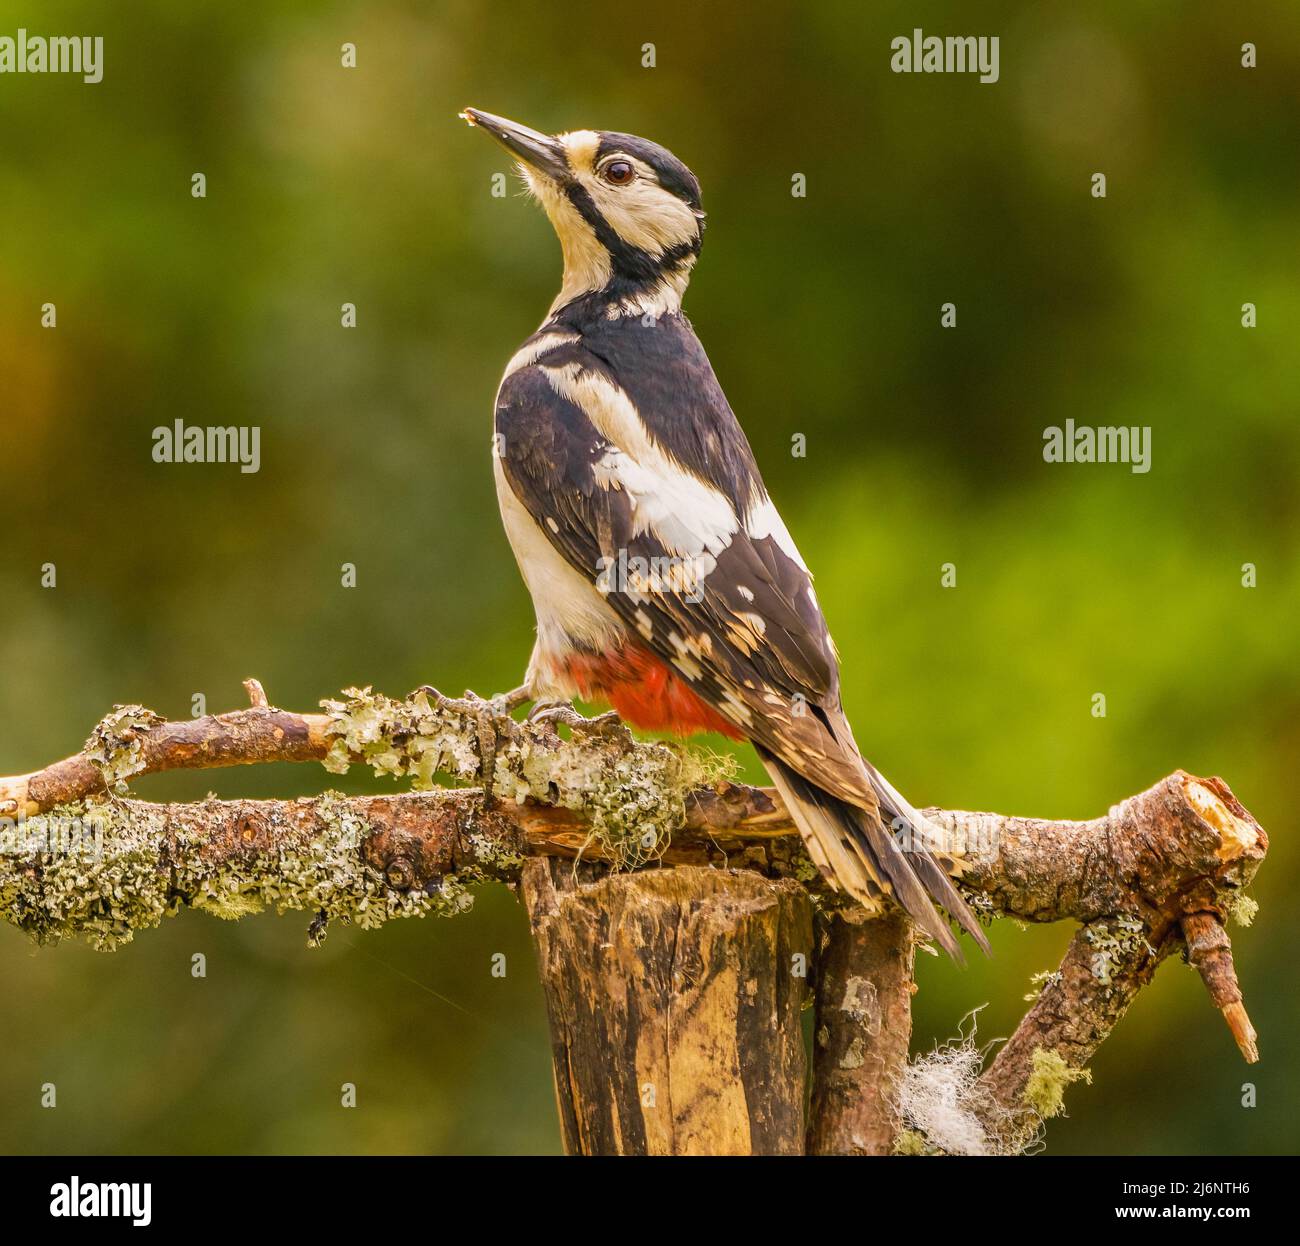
[(923, 842), (855, 849)]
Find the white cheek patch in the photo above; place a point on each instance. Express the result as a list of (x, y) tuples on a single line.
[(691, 518), (643, 213), (586, 263)]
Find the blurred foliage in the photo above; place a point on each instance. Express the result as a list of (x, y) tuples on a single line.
[(821, 315)]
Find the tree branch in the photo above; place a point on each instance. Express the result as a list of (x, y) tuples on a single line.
[(1160, 871)]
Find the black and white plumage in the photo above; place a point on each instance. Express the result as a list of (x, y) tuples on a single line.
[(664, 580)]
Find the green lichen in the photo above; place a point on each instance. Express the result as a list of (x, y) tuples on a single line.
[(1040, 981), (634, 806), (702, 767), (980, 903), (633, 794), (325, 874), (909, 1142), (1045, 1090), (1240, 908), (116, 744), (104, 893), (411, 738), (140, 871), (492, 855), (804, 869), (227, 902), (1116, 942)]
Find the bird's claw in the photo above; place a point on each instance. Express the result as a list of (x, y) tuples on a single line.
[(608, 724), (504, 702), (485, 714)]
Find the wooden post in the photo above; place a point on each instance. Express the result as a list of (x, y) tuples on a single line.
[(674, 999), (861, 1033)]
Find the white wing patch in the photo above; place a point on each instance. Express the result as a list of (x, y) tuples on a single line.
[(763, 520), (690, 518)]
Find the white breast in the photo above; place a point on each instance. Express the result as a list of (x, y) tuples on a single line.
[(570, 611)]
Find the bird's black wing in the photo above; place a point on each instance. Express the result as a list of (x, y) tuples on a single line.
[(743, 628), (740, 622)]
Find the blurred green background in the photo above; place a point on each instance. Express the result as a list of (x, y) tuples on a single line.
[(821, 315)]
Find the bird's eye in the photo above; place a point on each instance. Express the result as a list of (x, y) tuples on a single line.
[(620, 172)]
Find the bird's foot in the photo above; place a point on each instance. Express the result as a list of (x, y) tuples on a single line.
[(609, 724), (512, 700), (485, 714)]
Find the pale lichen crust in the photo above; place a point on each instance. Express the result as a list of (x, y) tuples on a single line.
[(116, 744), (411, 738), (140, 871), (326, 874), (633, 793), (103, 889), (1240, 908), (1116, 943)]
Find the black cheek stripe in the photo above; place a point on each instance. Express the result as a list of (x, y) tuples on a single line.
[(629, 260), (634, 267)]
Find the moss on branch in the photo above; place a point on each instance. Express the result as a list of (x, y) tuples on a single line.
[(104, 867)]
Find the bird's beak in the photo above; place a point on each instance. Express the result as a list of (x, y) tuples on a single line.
[(538, 151)]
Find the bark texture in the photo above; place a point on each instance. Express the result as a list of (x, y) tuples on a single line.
[(862, 1030), (674, 999)]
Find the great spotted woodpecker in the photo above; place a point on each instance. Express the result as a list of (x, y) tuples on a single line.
[(664, 580)]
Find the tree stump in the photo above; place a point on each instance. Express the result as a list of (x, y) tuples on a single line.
[(675, 999)]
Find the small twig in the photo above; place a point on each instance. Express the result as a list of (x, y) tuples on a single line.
[(256, 694), (1210, 950), (241, 737)]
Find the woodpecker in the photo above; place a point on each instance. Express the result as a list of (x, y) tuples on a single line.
[(664, 581)]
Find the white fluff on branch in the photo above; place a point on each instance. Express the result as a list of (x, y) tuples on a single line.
[(939, 1097)]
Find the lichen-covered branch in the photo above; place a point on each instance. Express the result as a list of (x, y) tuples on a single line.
[(105, 868), (1106, 964), (134, 741), (101, 865), (1169, 863), (1160, 872)]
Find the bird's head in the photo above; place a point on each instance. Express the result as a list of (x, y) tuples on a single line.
[(626, 210)]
